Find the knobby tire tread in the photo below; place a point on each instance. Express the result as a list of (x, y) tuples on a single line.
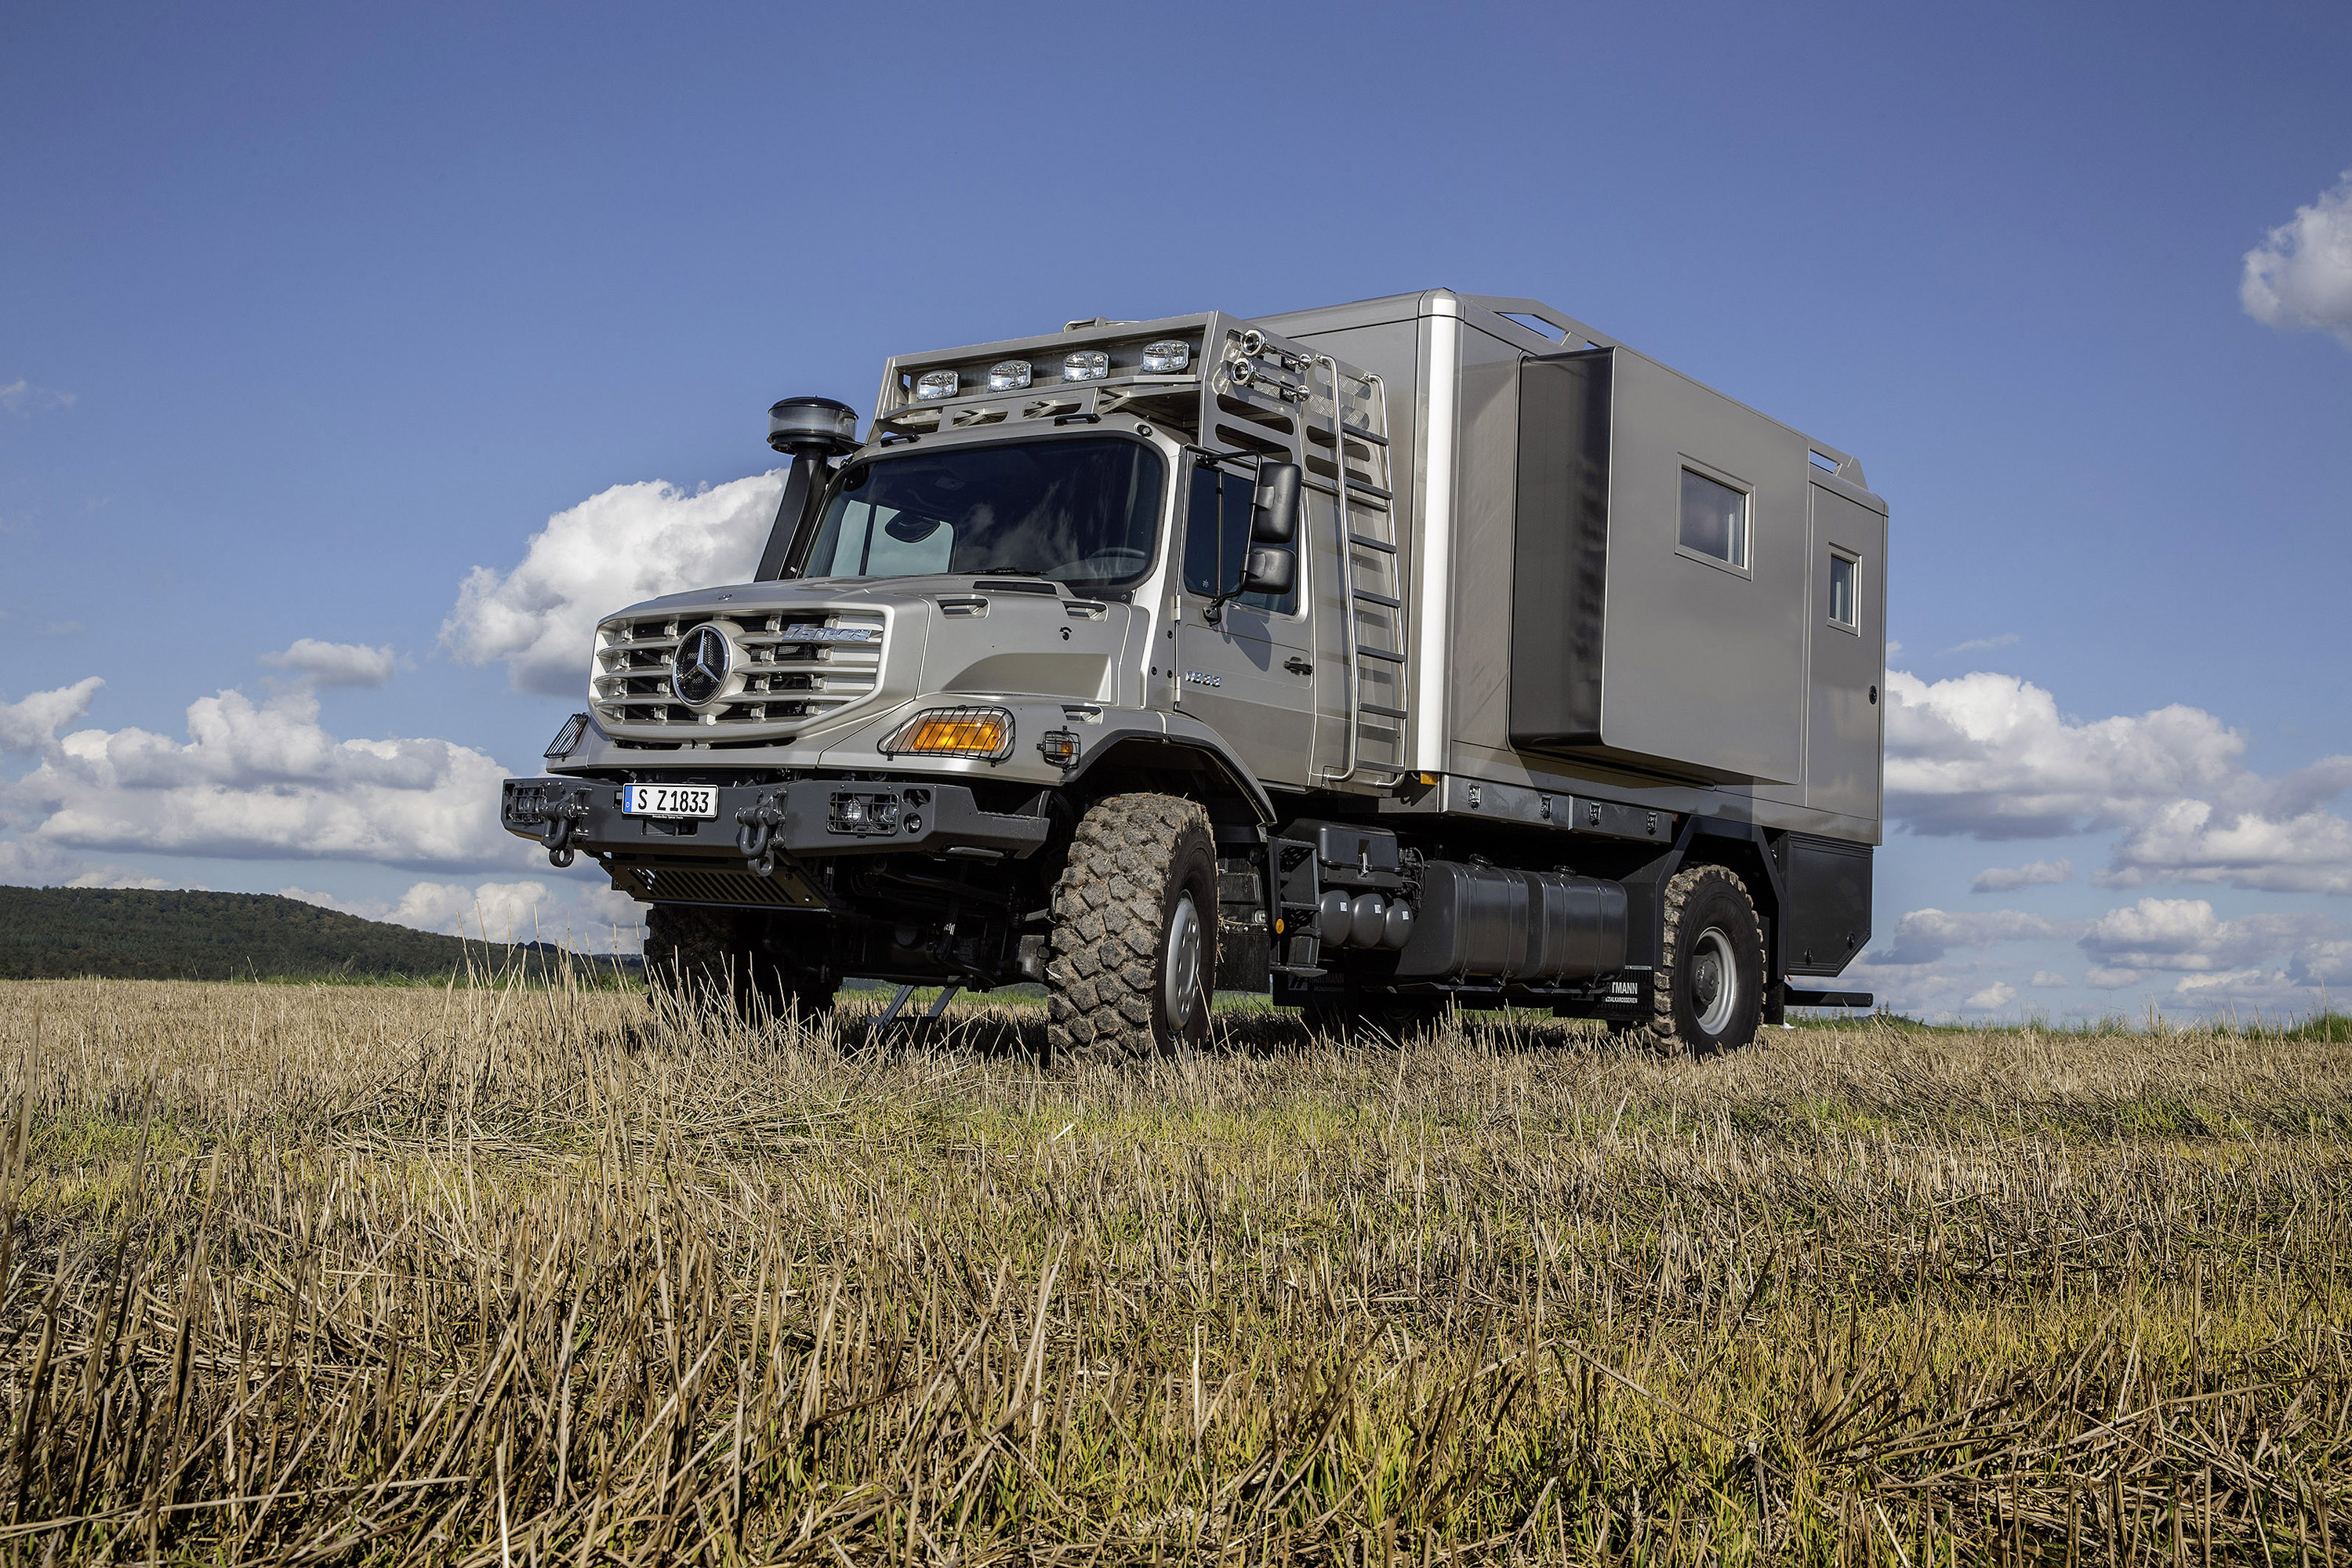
[(1659, 1032), (1108, 917)]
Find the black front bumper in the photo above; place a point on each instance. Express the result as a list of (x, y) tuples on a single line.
[(801, 820)]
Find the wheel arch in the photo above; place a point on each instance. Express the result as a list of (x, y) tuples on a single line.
[(1747, 852), (1197, 767)]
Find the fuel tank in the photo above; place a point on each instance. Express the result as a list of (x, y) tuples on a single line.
[(1529, 927)]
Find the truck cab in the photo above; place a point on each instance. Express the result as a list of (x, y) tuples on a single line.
[(1145, 660)]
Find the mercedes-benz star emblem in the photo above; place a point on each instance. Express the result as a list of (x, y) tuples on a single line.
[(700, 667)]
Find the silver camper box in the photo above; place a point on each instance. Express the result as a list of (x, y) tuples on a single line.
[(1562, 640)]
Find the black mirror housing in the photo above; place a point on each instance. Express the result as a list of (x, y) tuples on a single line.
[(1274, 508), (1269, 570)]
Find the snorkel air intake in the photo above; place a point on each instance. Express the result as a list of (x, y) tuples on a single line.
[(814, 430)]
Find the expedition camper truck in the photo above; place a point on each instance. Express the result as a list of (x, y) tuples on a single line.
[(1432, 649)]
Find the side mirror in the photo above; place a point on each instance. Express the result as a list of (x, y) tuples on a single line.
[(1274, 509), (1268, 571)]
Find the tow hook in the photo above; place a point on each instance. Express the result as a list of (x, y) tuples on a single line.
[(562, 818), (755, 832)]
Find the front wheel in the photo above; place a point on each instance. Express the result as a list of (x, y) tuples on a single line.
[(1135, 932), (1708, 992)]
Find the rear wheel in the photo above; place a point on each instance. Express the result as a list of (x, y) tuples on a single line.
[(1135, 932), (1708, 992), (720, 959)]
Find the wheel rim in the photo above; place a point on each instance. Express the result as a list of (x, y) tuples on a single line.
[(1715, 981), (1183, 981)]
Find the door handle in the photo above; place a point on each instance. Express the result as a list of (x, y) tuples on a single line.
[(1298, 666)]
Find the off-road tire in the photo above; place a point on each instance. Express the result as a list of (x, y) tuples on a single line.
[(714, 959), (1710, 924), (1134, 859)]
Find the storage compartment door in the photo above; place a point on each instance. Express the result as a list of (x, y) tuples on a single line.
[(1826, 919)]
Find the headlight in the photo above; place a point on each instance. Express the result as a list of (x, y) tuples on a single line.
[(937, 383), (953, 732), (1008, 376), (1166, 356), (1086, 365)]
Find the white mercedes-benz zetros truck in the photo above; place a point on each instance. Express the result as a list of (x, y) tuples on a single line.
[(1433, 649)]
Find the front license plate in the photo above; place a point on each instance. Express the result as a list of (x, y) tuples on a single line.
[(670, 800)]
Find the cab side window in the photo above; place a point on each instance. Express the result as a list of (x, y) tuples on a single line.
[(1214, 546)]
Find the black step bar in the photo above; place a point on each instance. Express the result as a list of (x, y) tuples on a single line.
[(1832, 999)]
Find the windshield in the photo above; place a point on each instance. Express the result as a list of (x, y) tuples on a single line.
[(1081, 511)]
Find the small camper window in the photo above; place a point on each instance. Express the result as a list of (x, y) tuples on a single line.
[(1715, 521), (1846, 572)]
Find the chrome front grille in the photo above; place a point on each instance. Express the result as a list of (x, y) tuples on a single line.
[(785, 670)]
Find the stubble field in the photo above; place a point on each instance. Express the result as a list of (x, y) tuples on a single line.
[(527, 1275)]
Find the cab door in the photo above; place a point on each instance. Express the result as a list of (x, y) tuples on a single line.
[(1249, 674)]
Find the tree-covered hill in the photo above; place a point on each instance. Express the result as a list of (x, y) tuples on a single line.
[(58, 933)]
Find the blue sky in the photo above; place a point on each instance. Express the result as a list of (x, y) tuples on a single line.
[(306, 313)]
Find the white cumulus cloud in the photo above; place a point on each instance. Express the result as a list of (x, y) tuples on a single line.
[(1992, 998), (2185, 935), (1991, 757), (583, 918), (23, 865), (2300, 277), (31, 723), (37, 865), (2323, 961), (1924, 936), (335, 663), (2194, 841), (123, 877), (2237, 990), (2033, 874), (630, 542), (267, 781), (2181, 951)]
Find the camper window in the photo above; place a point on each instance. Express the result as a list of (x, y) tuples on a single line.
[(1714, 520), (1845, 574)]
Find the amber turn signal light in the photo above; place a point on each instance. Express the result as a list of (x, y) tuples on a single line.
[(953, 732)]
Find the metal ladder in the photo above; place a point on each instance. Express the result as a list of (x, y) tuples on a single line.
[(1356, 469)]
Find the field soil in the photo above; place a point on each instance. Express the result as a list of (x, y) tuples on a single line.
[(533, 1275)]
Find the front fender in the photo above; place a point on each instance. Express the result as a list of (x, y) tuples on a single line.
[(1143, 739)]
